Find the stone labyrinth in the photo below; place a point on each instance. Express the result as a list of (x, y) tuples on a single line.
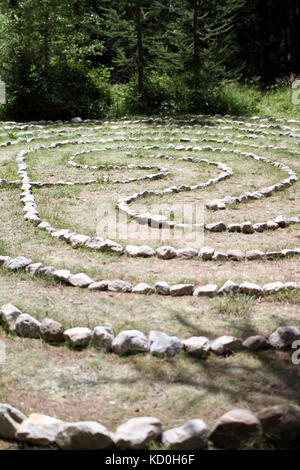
[(242, 172)]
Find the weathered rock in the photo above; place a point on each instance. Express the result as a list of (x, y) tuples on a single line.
[(283, 337), (78, 337), (109, 245), (198, 346), (162, 288), (235, 255), (79, 240), (273, 287), (235, 428), (206, 253), (8, 316), (76, 120), (219, 256), (10, 419), (62, 274), (142, 288), (27, 326), (226, 345), (254, 254), (228, 287), (103, 337), (247, 227), (281, 422), (181, 289), (130, 341), (137, 433), (17, 263), (52, 331), (192, 435), (144, 251), (209, 290), (94, 243), (234, 228), (80, 280), (100, 285), (117, 285), (84, 435), (216, 227), (256, 343), (39, 429), (250, 288), (33, 268), (166, 252), (186, 253), (161, 344)]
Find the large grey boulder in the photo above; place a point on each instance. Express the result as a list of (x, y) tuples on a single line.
[(17, 263), (39, 429), (8, 316), (84, 435), (192, 435), (130, 341), (226, 345), (28, 327), (103, 337), (10, 419), (198, 346), (161, 344), (235, 428), (78, 337), (281, 422), (52, 331), (283, 337), (137, 433)]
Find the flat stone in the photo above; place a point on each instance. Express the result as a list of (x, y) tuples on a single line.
[(80, 280), (256, 343), (32, 269), (62, 274), (228, 288), (142, 288), (10, 419), (143, 251), (210, 290), (52, 331), (78, 240), (161, 344), (100, 285), (162, 288), (17, 263), (84, 435), (219, 256), (109, 245), (216, 227), (235, 428), (235, 255), (281, 422), (27, 326), (94, 243), (206, 253), (186, 253), (130, 341), (137, 433), (117, 285), (255, 254), (192, 435), (198, 346), (39, 429), (8, 316), (78, 337), (283, 337), (273, 287), (103, 337), (181, 289), (225, 345), (166, 252), (250, 288)]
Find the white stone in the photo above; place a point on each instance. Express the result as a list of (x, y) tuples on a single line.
[(137, 433)]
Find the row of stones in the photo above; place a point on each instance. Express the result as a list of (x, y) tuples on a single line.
[(233, 430), (31, 214), (134, 341), (83, 281)]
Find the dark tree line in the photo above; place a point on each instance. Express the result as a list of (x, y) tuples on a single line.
[(60, 56)]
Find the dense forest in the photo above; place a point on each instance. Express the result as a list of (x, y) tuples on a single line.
[(61, 58)]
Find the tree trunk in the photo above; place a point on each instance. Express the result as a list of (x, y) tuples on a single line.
[(140, 51), (46, 44), (196, 60)]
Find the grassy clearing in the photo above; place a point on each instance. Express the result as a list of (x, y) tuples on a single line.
[(89, 384)]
